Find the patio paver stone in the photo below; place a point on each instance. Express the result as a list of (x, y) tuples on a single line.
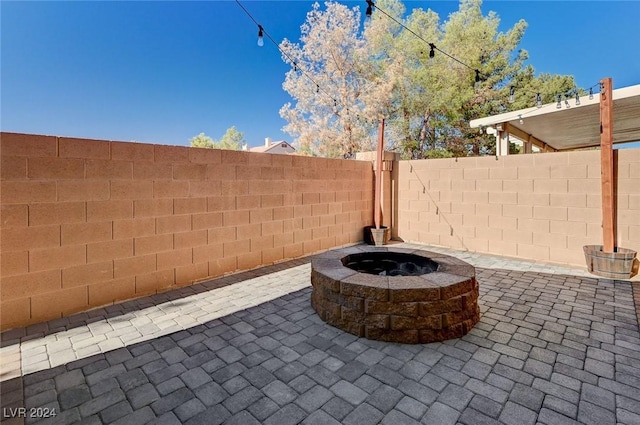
[(554, 346)]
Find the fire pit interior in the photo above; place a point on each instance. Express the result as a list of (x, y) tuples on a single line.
[(390, 263), (395, 294)]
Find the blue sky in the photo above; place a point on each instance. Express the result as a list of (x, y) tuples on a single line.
[(164, 71)]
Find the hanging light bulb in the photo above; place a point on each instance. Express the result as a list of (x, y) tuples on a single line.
[(295, 67), (539, 100), (512, 94), (370, 7), (590, 93), (577, 99), (559, 104), (520, 118), (432, 52), (477, 82), (317, 88), (260, 36), (566, 101)]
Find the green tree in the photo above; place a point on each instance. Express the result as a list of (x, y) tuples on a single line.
[(231, 140), (439, 97), (201, 141)]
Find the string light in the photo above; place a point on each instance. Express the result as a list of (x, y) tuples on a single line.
[(260, 36), (512, 92), (520, 118), (263, 33), (370, 7), (570, 94)]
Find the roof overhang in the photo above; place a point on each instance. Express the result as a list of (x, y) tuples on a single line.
[(572, 127)]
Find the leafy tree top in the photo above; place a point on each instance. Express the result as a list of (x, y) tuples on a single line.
[(231, 140)]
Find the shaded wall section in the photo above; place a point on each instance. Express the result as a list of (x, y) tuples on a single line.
[(85, 223), (540, 207)]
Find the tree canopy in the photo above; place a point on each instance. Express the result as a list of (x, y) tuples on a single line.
[(346, 77), (231, 140)]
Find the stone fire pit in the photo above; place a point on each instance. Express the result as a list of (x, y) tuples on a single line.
[(395, 294)]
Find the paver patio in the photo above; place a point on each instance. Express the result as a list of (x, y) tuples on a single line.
[(554, 346)]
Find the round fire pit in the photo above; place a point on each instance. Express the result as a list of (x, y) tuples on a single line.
[(395, 294)]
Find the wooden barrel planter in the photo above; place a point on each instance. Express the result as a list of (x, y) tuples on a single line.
[(614, 265)]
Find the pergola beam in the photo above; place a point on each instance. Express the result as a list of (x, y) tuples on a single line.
[(574, 126), (526, 137), (607, 166)]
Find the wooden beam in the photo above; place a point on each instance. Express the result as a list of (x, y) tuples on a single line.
[(377, 213), (606, 166), (503, 143), (524, 136)]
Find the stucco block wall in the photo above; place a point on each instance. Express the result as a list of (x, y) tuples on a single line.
[(542, 207), (86, 223)]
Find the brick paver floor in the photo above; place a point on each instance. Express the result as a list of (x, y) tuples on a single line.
[(554, 346)]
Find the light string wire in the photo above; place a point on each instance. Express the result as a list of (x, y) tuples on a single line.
[(567, 96), (262, 30), (431, 45), (521, 116)]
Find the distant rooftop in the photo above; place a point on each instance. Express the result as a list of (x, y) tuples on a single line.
[(281, 147)]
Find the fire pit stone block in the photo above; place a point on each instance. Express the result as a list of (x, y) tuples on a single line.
[(440, 304)]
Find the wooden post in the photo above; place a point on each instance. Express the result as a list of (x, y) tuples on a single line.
[(606, 166), (377, 213), (503, 148)]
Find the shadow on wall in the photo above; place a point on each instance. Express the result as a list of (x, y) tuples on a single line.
[(438, 210)]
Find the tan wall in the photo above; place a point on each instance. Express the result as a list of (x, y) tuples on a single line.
[(542, 207), (85, 223)]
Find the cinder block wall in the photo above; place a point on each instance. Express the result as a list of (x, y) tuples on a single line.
[(85, 223), (542, 207)]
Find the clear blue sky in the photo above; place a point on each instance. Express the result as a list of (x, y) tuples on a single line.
[(164, 71)]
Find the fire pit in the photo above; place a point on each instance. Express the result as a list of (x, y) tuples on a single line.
[(390, 263), (394, 294)]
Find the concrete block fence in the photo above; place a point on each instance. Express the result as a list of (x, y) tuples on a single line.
[(85, 223), (542, 207)]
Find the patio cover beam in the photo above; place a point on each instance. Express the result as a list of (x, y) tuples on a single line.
[(607, 166), (573, 127), (526, 137)]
